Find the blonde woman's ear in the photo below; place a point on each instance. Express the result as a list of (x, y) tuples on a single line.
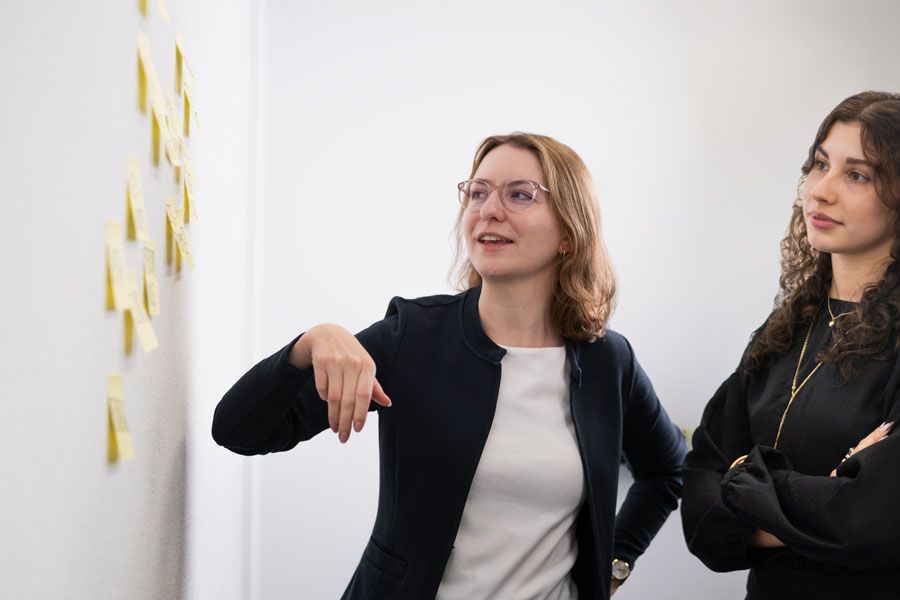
[(564, 247)]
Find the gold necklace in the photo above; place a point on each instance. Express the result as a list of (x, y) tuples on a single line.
[(831, 314), (795, 389)]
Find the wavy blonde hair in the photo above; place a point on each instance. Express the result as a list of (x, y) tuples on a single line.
[(585, 291)]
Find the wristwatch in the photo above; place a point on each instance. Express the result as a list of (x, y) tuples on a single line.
[(620, 570)]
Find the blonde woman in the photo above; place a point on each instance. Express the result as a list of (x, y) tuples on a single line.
[(503, 411)]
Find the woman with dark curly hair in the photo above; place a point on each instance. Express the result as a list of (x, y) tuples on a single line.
[(793, 473)]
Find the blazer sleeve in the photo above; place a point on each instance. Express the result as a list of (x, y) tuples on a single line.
[(851, 519), (275, 405), (713, 532), (654, 450)]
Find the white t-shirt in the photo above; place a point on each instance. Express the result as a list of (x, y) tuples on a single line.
[(517, 537)]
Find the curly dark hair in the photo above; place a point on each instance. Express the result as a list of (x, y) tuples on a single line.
[(871, 329)]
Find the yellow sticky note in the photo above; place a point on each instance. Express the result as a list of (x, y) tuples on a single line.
[(148, 84), (142, 84), (128, 331), (155, 136), (190, 207), (150, 93), (175, 231), (179, 62), (172, 128), (116, 290), (170, 235), (186, 123), (189, 90), (182, 157), (163, 11), (185, 86), (157, 101), (119, 443), (136, 319), (179, 218), (190, 199), (135, 219), (151, 286)]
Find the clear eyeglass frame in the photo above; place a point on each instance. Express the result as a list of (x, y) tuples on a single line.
[(515, 195)]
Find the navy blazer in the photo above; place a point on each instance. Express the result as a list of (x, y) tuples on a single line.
[(435, 361)]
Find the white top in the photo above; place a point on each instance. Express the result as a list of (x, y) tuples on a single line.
[(517, 536)]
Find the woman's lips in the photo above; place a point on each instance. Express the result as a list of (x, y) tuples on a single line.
[(820, 221), (488, 245)]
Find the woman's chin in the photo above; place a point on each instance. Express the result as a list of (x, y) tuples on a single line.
[(821, 243), (493, 274)]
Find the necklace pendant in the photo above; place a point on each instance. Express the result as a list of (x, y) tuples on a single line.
[(831, 323)]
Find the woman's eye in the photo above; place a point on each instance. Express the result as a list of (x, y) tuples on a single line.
[(477, 194), (520, 196), (820, 164), (857, 177)]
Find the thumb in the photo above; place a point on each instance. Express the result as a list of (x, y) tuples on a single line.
[(378, 395)]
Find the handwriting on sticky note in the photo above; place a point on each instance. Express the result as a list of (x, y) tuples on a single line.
[(175, 231), (116, 291), (172, 134), (136, 319), (135, 219), (187, 188), (151, 283), (119, 444), (189, 91)]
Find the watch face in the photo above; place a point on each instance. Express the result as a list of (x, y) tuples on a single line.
[(620, 569)]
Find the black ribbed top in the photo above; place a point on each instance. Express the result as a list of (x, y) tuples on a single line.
[(841, 533), (828, 415)]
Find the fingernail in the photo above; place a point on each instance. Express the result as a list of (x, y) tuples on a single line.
[(887, 425), (333, 426), (357, 426), (343, 436)]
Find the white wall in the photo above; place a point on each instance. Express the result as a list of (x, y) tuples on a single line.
[(171, 523), (694, 118)]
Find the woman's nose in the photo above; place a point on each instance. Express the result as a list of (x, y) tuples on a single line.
[(493, 207), (824, 189)]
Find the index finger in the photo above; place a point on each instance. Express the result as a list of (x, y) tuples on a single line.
[(364, 386), (876, 436)]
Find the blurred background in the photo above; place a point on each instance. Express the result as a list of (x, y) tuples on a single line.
[(327, 143)]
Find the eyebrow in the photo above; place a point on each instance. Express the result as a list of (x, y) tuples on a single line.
[(849, 161)]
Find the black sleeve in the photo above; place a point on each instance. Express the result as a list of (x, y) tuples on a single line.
[(654, 449), (715, 534), (275, 405), (851, 519)]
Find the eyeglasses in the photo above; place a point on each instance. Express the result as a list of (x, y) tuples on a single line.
[(515, 195)]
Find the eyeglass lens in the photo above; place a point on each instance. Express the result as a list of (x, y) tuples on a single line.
[(515, 195)]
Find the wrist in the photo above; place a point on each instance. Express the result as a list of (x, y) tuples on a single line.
[(300, 355)]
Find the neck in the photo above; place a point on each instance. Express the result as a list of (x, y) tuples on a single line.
[(517, 314), (851, 274)]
